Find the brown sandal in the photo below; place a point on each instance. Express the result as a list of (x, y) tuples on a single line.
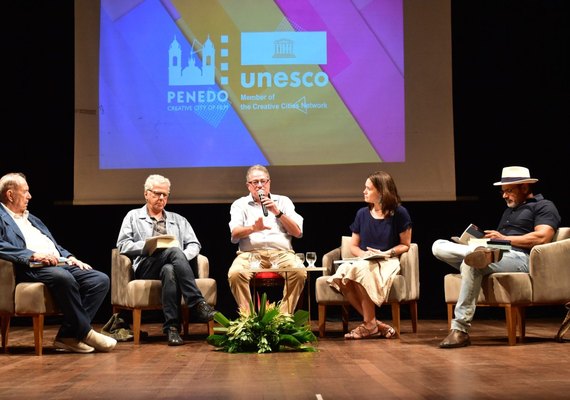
[(385, 330), (362, 332)]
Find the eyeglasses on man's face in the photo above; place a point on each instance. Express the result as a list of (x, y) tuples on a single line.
[(507, 191), (156, 193), (258, 182)]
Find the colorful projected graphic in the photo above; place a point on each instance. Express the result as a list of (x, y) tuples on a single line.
[(235, 83)]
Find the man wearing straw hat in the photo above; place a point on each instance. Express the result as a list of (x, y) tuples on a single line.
[(529, 220)]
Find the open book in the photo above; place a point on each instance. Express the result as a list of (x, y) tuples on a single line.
[(377, 256), (475, 236), (159, 242), (60, 261), (471, 232)]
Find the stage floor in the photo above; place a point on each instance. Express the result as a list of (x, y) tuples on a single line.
[(411, 367)]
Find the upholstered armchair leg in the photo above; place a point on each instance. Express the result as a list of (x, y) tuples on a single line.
[(38, 322), (449, 315), (521, 322), (414, 315), (185, 320), (323, 319), (137, 314), (396, 317), (511, 319), (344, 318), (5, 329)]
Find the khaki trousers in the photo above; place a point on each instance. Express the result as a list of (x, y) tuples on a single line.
[(239, 277)]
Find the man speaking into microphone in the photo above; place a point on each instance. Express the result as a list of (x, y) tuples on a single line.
[(264, 223), (261, 195)]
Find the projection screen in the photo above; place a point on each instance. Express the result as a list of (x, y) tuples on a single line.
[(322, 92)]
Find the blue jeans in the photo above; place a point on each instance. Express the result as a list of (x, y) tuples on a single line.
[(175, 272), (77, 292), (453, 254)]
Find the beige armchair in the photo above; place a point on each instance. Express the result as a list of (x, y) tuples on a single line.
[(405, 289), (144, 294), (26, 299), (546, 283)]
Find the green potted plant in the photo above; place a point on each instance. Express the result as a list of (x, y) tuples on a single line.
[(264, 330)]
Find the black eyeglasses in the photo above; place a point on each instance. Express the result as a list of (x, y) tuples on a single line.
[(257, 182), (506, 191), (158, 194)]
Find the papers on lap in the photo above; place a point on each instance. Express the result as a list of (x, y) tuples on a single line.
[(159, 242), (377, 256)]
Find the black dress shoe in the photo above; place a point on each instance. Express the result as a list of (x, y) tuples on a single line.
[(174, 338), (455, 339), (203, 311)]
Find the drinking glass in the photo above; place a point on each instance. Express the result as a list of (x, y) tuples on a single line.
[(254, 260), (311, 259), (300, 259)]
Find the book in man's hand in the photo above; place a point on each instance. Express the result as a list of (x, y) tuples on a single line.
[(60, 262), (471, 232), (159, 242)]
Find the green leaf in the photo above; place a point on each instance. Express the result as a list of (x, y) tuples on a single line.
[(289, 340), (266, 331), (221, 319), (305, 336), (262, 305), (269, 315), (301, 317), (217, 340), (306, 348)]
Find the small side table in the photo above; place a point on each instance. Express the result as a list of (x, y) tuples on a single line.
[(308, 282)]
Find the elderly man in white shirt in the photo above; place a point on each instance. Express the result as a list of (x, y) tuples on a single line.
[(264, 223), (77, 289)]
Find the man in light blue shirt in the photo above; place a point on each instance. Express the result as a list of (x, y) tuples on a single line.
[(171, 265)]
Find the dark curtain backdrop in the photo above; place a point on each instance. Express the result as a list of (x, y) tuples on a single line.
[(510, 78)]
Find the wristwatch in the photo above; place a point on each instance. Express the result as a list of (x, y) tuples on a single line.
[(279, 215)]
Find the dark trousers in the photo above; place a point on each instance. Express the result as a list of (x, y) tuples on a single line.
[(175, 272), (77, 292)]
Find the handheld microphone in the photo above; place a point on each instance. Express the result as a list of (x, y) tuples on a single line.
[(261, 194)]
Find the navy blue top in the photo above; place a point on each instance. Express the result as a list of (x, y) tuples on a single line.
[(523, 218), (382, 234)]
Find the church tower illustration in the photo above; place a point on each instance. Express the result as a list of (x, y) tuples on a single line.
[(193, 73)]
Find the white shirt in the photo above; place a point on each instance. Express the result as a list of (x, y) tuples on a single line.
[(245, 211), (35, 240)]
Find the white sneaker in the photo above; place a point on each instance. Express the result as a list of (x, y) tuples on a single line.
[(99, 341), (73, 345)]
